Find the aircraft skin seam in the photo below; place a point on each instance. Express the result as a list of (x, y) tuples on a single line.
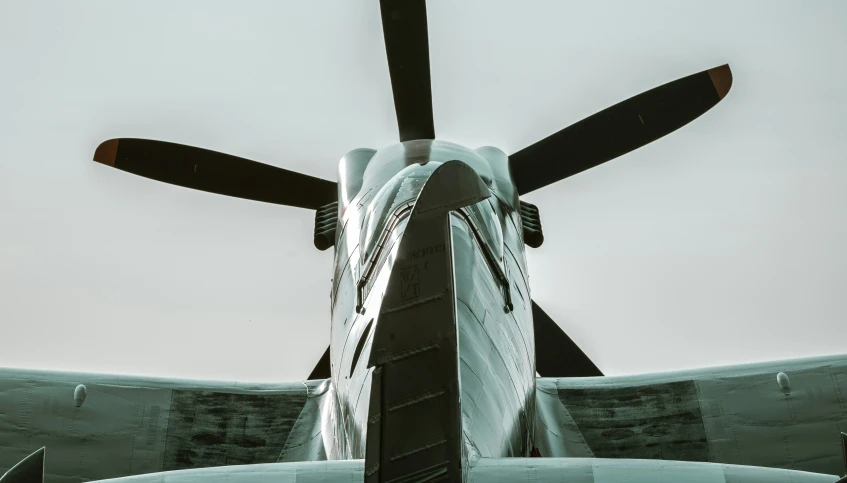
[(416, 399)]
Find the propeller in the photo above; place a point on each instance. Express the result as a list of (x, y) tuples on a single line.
[(407, 49), (601, 137), (215, 172), (322, 369), (556, 354), (619, 129)]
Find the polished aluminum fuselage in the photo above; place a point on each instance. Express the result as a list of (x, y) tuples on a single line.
[(377, 190)]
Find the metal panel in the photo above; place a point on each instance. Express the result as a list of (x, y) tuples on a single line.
[(745, 414), (556, 433), (305, 440), (118, 431), (598, 470), (305, 472), (608, 471), (658, 421), (207, 428), (122, 426), (497, 372), (750, 421), (514, 470)]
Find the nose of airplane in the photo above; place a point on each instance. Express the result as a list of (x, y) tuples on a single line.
[(362, 173)]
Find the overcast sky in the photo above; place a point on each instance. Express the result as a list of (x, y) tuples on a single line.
[(725, 242)]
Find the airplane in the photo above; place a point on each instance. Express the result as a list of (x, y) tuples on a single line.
[(440, 367)]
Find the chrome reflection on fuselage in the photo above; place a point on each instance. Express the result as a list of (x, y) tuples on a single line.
[(377, 190)]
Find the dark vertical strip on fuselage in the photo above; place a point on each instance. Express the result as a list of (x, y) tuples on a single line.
[(415, 419), (416, 354)]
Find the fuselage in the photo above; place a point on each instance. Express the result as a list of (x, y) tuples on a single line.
[(492, 305)]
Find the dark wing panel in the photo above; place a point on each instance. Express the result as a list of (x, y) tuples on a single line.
[(215, 172), (407, 48), (129, 425), (737, 415), (619, 129), (556, 354)]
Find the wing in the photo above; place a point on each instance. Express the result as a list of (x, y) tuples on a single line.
[(99, 426), (490, 470), (741, 415)]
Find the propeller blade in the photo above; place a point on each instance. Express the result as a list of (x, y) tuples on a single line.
[(619, 129), (407, 48), (215, 172), (556, 355), (28, 470), (322, 369)]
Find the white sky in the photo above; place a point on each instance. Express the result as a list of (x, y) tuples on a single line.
[(722, 243)]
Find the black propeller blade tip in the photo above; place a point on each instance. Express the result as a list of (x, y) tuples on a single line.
[(721, 79), (106, 152)]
